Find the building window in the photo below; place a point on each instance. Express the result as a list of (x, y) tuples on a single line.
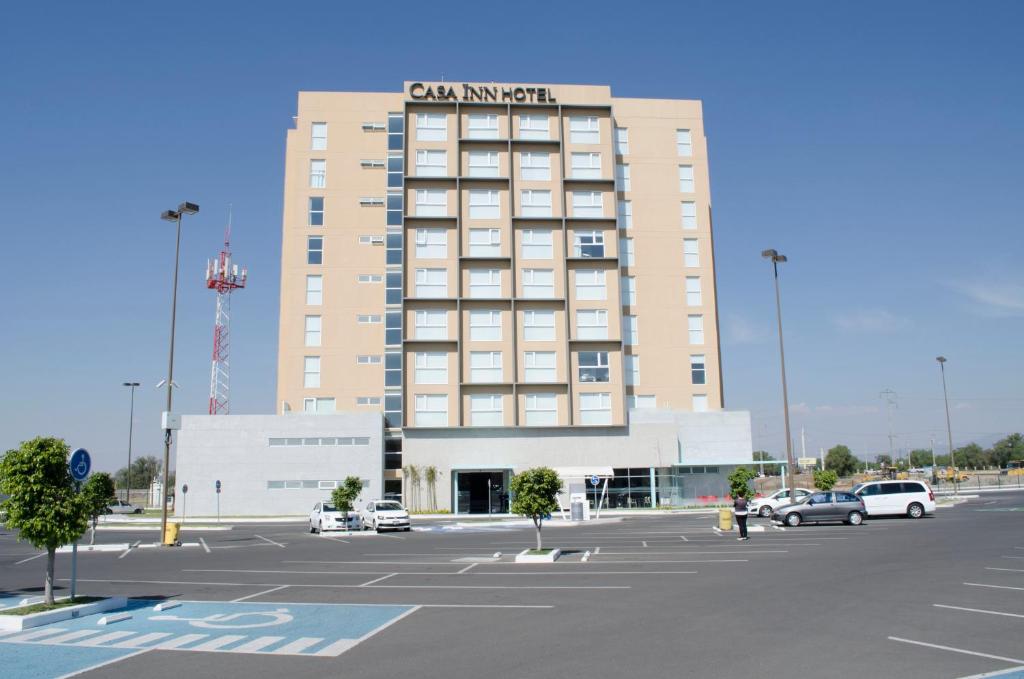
[(367, 400), (686, 178), (431, 324), (585, 166), (537, 244), (431, 127), (632, 370), (689, 214), (534, 203), (485, 366), (482, 126), (627, 254), (318, 406), (371, 240), (432, 367), (484, 242), (700, 403), (693, 296), (374, 359), (628, 290), (684, 143), (690, 254), (538, 325), (539, 366), (596, 408), (622, 178), (533, 126), (317, 174), (630, 330), (591, 285), (698, 374), (311, 372), (485, 410), (431, 283), (538, 283), (483, 164), (431, 410), (484, 204), (370, 278), (695, 324), (621, 141), (587, 204), (535, 166), (371, 201), (430, 163), (584, 130), (431, 203), (319, 136), (313, 325), (431, 243), (625, 214), (484, 283), (314, 290), (374, 127), (315, 250), (593, 366), (369, 319), (316, 211), (592, 324), (541, 410), (639, 402), (588, 244), (484, 325), (371, 164), (393, 288)]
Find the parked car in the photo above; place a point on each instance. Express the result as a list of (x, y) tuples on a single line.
[(763, 506), (122, 507), (896, 498), (829, 505), (381, 515), (325, 516)]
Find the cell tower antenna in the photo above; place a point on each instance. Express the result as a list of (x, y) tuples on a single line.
[(223, 277)]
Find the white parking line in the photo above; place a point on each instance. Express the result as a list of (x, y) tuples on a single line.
[(253, 596), (138, 642), (18, 563), (978, 584), (90, 668), (104, 638), (978, 610), (679, 552), (214, 644), (269, 540), (1006, 556), (672, 561), (992, 675), (329, 537), (183, 640), (466, 568), (1015, 661), (203, 543), (1008, 570), (383, 577), (685, 539), (256, 644)]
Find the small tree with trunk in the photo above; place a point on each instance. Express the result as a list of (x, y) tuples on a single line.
[(412, 486), (739, 481), (430, 474), (98, 492), (825, 479), (535, 495), (42, 504), (344, 496)]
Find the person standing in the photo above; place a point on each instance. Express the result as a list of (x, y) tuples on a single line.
[(739, 508)]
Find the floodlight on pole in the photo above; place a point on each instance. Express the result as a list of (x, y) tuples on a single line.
[(776, 258)]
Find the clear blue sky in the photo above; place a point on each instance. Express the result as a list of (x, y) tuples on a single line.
[(877, 144)]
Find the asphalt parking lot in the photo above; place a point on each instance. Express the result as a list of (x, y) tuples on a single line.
[(660, 596)]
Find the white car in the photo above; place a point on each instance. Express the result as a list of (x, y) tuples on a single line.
[(896, 498), (325, 516), (381, 515), (764, 506), (122, 507)]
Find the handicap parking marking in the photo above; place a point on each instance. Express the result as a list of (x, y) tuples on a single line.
[(28, 661)]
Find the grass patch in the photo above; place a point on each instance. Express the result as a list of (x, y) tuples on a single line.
[(539, 552), (41, 608)]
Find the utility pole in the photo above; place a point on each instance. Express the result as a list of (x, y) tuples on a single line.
[(949, 428), (776, 258), (890, 400)]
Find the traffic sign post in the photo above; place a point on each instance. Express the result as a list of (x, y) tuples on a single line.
[(594, 480), (218, 500), (79, 465), (184, 502)]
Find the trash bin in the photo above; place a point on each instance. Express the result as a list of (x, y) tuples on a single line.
[(171, 533), (576, 511), (725, 519)]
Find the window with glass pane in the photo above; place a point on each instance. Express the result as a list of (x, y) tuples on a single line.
[(693, 296), (541, 409), (698, 374), (690, 255), (626, 253), (317, 174), (593, 366), (588, 244), (632, 369), (482, 126), (533, 126), (538, 283), (485, 366), (368, 359), (596, 408), (319, 136), (621, 141), (484, 242), (640, 402), (313, 331), (393, 288), (485, 410), (689, 214), (695, 324), (539, 366), (318, 406), (367, 400), (630, 330), (700, 403), (538, 325), (585, 166), (431, 203), (686, 178), (311, 372), (625, 214), (314, 290), (684, 143), (622, 178), (584, 130), (392, 368), (431, 243), (535, 203), (394, 248), (392, 329), (535, 166), (431, 282), (315, 250), (484, 325), (483, 163), (587, 204), (629, 290), (430, 163), (590, 284), (484, 204), (431, 367), (316, 211), (537, 244), (431, 324), (431, 410), (484, 283), (592, 324), (431, 127)]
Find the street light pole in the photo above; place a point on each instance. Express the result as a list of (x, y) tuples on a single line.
[(949, 429), (775, 257), (131, 423)]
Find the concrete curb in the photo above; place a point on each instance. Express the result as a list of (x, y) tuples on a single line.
[(111, 547), (17, 623)]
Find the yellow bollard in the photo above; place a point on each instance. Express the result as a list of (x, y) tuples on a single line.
[(171, 534), (724, 519)]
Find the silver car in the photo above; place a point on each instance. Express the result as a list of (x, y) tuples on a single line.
[(831, 505)]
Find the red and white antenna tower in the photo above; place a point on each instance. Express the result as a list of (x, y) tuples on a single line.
[(224, 277)]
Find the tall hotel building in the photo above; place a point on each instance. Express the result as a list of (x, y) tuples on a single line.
[(512, 275)]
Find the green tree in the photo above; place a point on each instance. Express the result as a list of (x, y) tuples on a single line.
[(970, 456), (430, 474), (840, 460), (535, 495), (42, 504), (344, 496), (884, 460), (97, 493), (1006, 449), (411, 486), (144, 470), (920, 457), (739, 481), (769, 469), (825, 479)]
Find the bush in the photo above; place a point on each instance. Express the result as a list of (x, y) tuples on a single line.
[(825, 479), (739, 482)]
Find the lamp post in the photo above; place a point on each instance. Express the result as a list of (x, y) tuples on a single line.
[(949, 429), (131, 422), (185, 208), (776, 258)]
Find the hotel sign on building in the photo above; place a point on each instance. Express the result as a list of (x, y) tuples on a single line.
[(477, 92)]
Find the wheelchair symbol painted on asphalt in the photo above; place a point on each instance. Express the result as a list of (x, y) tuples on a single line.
[(224, 620)]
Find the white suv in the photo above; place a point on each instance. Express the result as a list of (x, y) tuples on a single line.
[(764, 506), (896, 498)]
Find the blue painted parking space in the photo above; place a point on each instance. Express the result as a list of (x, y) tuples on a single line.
[(24, 660)]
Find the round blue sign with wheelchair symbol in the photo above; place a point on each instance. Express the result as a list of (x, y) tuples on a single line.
[(80, 464)]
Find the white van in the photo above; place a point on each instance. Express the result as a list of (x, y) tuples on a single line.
[(896, 498)]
